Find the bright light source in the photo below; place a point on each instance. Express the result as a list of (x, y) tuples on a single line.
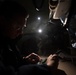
[(67, 29), (40, 30), (38, 18)]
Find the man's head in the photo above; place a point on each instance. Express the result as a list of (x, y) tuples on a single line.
[(13, 18)]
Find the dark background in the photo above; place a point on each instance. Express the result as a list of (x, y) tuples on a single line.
[(54, 36)]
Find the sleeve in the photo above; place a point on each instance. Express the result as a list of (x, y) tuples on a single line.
[(33, 70), (6, 70)]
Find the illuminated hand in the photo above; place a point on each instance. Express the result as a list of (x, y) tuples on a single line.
[(33, 58), (53, 60)]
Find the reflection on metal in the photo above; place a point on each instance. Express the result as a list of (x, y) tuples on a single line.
[(37, 9), (64, 21), (62, 9), (59, 9), (52, 7), (38, 4), (53, 4)]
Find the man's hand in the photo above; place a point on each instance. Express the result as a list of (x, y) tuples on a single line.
[(53, 60), (33, 58)]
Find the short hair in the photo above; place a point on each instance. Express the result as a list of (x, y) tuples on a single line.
[(12, 8)]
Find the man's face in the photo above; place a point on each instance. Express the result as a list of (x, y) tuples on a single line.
[(15, 27)]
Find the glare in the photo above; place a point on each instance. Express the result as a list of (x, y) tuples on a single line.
[(67, 29), (40, 30), (38, 18), (25, 25), (37, 9), (65, 21)]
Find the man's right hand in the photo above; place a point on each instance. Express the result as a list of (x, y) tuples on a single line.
[(53, 60)]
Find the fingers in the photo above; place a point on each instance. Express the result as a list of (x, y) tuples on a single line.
[(28, 56), (33, 55), (52, 55), (33, 58), (53, 58)]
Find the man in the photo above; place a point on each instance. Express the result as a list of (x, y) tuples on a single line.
[(50, 68), (13, 19)]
